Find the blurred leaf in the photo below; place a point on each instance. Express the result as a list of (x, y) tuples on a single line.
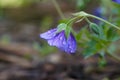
[(111, 49), (11, 3), (44, 50), (46, 23), (83, 35), (102, 63), (102, 54), (81, 4), (5, 39), (112, 35), (90, 49), (97, 30)]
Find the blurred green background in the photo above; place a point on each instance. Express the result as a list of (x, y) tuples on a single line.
[(21, 23)]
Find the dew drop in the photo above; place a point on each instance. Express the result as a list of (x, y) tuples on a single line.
[(64, 43), (61, 38), (70, 47), (72, 51), (49, 32)]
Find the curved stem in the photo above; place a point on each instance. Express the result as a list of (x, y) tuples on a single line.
[(72, 20), (87, 20), (89, 15), (58, 9)]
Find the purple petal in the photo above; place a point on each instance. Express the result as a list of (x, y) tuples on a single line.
[(49, 34), (59, 40), (71, 44), (117, 1)]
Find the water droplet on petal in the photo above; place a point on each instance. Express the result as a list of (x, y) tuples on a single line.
[(64, 43), (49, 31), (61, 38), (72, 51), (70, 47)]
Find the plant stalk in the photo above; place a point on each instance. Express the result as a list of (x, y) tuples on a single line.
[(89, 15), (58, 9)]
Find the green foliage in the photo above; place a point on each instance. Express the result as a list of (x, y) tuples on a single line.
[(95, 38), (81, 4), (83, 36), (97, 30), (99, 39), (46, 23), (44, 50), (112, 35)]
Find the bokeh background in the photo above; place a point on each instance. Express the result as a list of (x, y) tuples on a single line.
[(25, 56)]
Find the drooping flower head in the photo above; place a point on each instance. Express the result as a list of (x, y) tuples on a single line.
[(117, 1), (60, 40)]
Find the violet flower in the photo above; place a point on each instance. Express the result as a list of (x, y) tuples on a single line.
[(117, 1), (99, 12), (60, 40)]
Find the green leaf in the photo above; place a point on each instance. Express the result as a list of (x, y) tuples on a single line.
[(102, 62), (112, 35), (83, 35), (90, 49), (80, 4), (111, 49), (88, 52), (93, 47), (97, 30), (61, 27), (102, 54)]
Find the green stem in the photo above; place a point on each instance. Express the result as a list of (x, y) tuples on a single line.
[(58, 9), (71, 20), (89, 15), (114, 56), (87, 20), (74, 19)]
